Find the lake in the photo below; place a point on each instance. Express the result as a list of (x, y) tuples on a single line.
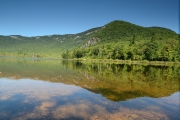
[(35, 89)]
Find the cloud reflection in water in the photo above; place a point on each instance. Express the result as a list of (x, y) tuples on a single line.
[(45, 100)]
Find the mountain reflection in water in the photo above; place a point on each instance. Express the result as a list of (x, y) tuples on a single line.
[(54, 89)]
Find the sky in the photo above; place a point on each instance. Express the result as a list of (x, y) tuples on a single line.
[(48, 17)]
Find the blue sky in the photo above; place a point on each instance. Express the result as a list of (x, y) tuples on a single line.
[(47, 17)]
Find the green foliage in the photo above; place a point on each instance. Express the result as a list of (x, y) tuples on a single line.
[(125, 41), (121, 30), (151, 51), (79, 53)]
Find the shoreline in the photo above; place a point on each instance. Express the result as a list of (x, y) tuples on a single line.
[(143, 62)]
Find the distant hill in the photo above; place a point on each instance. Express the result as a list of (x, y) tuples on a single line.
[(51, 46), (115, 40)]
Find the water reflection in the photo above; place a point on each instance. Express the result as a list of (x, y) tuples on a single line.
[(120, 82), (53, 89)]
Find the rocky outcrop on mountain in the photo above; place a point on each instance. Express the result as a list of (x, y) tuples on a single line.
[(90, 42)]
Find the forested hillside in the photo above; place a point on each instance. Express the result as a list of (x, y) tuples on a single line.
[(125, 41), (118, 40), (51, 46)]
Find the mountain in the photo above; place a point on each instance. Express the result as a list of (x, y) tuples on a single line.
[(115, 40), (50, 46), (126, 41), (124, 31)]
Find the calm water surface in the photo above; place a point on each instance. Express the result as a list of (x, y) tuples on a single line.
[(54, 89)]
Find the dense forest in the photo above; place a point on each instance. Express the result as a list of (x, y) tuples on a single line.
[(125, 41)]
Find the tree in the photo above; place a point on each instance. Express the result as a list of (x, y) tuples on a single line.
[(169, 51), (133, 40), (151, 50), (66, 55), (95, 52), (153, 37)]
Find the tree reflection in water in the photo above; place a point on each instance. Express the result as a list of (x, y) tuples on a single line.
[(53, 89)]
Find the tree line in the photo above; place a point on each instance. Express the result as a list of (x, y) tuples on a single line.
[(151, 51)]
